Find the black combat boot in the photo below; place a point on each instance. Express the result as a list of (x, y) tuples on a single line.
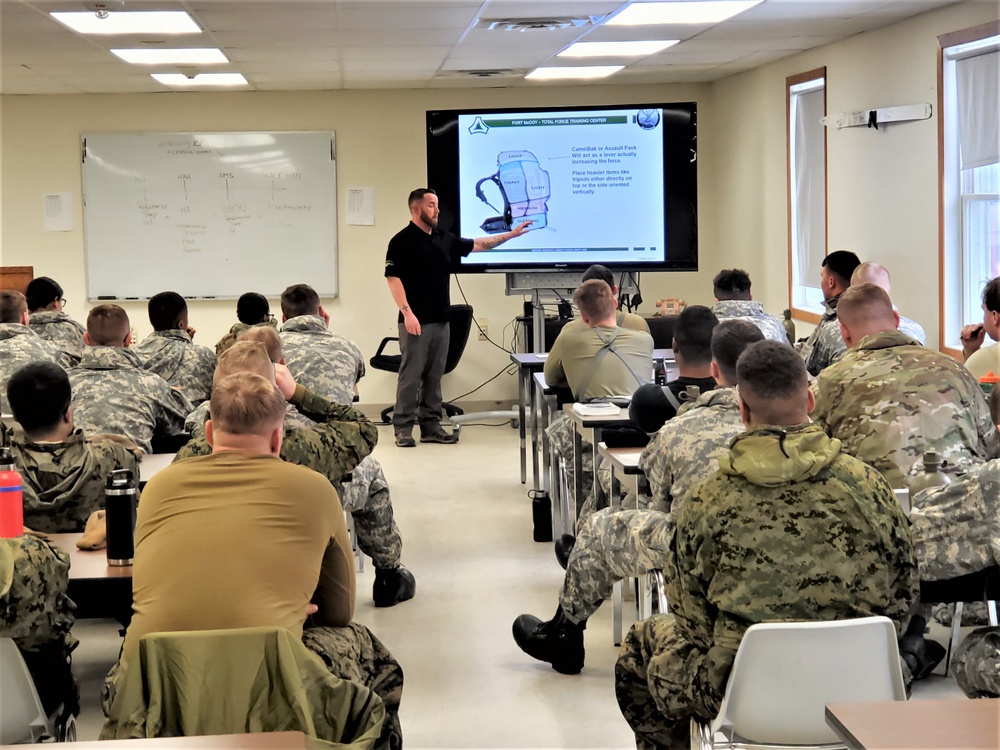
[(564, 545), (921, 654), (558, 641), (392, 586)]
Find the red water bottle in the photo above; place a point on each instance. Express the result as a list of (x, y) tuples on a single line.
[(11, 497)]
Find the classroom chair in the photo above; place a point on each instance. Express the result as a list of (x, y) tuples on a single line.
[(22, 718), (786, 672)]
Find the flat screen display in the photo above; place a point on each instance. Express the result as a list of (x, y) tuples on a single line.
[(615, 185)]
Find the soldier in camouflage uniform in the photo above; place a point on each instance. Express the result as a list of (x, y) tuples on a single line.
[(732, 294), (20, 345), (63, 472), (825, 345), (170, 352), (789, 529), (36, 612), (889, 399), (252, 309), (615, 544), (47, 319), (114, 394), (338, 442), (323, 361), (877, 274)]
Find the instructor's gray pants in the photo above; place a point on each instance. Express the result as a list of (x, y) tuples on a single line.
[(418, 390)]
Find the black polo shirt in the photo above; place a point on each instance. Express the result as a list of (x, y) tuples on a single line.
[(424, 262)]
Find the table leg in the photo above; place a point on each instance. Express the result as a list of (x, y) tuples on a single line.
[(521, 372), (534, 401), (578, 498), (616, 591), (600, 499)]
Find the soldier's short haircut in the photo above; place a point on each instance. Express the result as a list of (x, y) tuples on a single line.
[(38, 395), (693, 334), (299, 299), (771, 371), (594, 299), (246, 404), (731, 283), (12, 306), (865, 304), (841, 263), (252, 308), (995, 404), (872, 273), (991, 294), (244, 356), (267, 336), (107, 325), (166, 310), (42, 292), (597, 271), (418, 195), (729, 340)]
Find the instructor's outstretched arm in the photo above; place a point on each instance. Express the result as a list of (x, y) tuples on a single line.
[(488, 243)]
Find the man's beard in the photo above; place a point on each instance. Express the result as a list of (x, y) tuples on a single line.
[(429, 220)]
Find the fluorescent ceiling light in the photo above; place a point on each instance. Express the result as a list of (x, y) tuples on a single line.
[(709, 11), (617, 49), (586, 71), (202, 79), (129, 22), (192, 56)]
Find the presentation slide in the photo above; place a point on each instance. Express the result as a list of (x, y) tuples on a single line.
[(591, 183)]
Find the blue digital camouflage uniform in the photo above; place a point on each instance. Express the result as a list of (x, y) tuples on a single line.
[(912, 329), (61, 330), (751, 311), (177, 359), (324, 362), (113, 393), (789, 528), (825, 345), (890, 399), (19, 345)]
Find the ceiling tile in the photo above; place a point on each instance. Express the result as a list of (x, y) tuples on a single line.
[(407, 16)]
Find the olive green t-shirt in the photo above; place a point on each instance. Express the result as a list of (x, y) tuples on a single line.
[(572, 355)]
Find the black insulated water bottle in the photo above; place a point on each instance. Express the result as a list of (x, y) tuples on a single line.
[(120, 500)]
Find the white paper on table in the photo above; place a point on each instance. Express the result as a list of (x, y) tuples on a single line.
[(361, 206), (58, 212)]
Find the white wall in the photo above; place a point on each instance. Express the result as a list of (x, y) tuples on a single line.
[(882, 185)]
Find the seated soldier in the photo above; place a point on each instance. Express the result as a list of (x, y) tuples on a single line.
[(877, 274), (825, 344), (47, 319), (597, 361), (623, 319), (252, 309), (114, 394), (37, 614), (978, 360), (20, 345), (170, 352), (652, 405), (889, 399), (325, 362), (789, 528), (733, 300), (332, 439), (63, 471), (615, 544), (240, 538)]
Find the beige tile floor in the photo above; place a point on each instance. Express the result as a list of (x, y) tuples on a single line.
[(466, 524)]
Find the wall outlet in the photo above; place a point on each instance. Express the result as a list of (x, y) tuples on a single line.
[(484, 328)]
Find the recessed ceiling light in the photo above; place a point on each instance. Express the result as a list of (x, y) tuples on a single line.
[(710, 11), (617, 49), (191, 56), (586, 71), (202, 79), (129, 22)]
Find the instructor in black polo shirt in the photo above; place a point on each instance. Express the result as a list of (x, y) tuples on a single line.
[(418, 265)]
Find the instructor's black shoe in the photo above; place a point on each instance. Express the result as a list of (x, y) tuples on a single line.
[(438, 436), (564, 545), (392, 586), (920, 654), (558, 641), (403, 440)]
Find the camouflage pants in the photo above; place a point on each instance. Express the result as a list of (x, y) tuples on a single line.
[(659, 687), (351, 653), (973, 613), (976, 665), (611, 545), (366, 498), (560, 434), (354, 653)]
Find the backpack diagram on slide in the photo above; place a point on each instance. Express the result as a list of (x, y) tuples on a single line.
[(524, 188)]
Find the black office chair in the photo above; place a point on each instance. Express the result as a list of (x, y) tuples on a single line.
[(460, 321)]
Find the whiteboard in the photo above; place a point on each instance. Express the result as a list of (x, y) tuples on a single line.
[(209, 215)]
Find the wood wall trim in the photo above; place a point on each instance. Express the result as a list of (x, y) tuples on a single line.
[(990, 28), (941, 209)]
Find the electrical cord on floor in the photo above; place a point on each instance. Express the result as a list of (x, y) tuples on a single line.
[(509, 369)]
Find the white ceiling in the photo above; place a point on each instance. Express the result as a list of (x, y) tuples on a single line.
[(290, 45)]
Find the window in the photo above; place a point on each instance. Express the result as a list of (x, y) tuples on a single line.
[(969, 130), (806, 103)]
